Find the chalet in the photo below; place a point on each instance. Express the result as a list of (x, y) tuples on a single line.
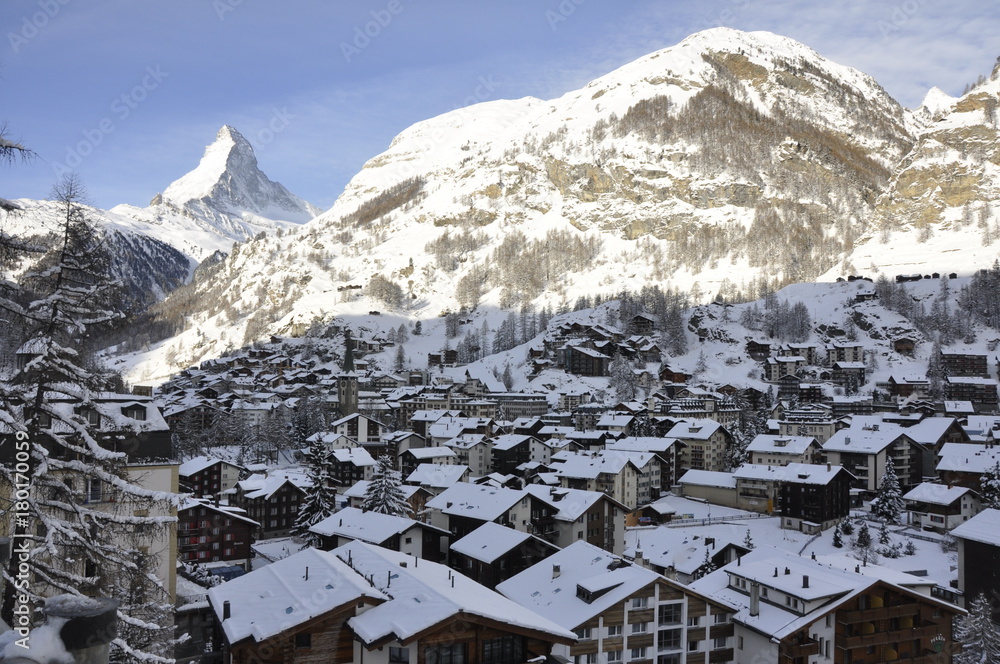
[(273, 500), (670, 375), (978, 551), (511, 450), (849, 374), (845, 352), (980, 391), (473, 450), (815, 420), (797, 610), (435, 477), (773, 450), (904, 346), (416, 497), (363, 429), (563, 516), (631, 478), (205, 477), (621, 611), (348, 466), (463, 507), (868, 445), (906, 386), (491, 553), (413, 457), (397, 442), (207, 532), (397, 533), (939, 507), (807, 352), (703, 443), (584, 361), (642, 324), (758, 350), (356, 603), (956, 363), (963, 464)]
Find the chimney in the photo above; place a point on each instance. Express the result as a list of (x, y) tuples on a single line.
[(227, 610), (754, 599), (776, 571), (805, 580), (307, 573), (556, 571), (787, 571)]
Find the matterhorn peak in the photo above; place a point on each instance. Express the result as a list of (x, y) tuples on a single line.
[(228, 182)]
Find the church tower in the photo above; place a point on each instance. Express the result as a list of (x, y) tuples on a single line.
[(347, 380)]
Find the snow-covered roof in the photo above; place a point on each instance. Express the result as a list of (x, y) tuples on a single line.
[(282, 595), (798, 473), (431, 452), (424, 594), (261, 485), (712, 478), (642, 444), (984, 527), (361, 486), (490, 541), (187, 503), (436, 475), (568, 503), (968, 457), (484, 503), (592, 464), (358, 456), (866, 438), (508, 441), (936, 494), (371, 527), (695, 429), (768, 443), (200, 463), (929, 430)]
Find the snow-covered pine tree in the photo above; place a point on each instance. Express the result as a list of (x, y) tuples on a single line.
[(838, 538), (978, 634), (622, 380), (989, 492), (748, 540), (888, 503), (384, 494), (78, 545), (320, 499)]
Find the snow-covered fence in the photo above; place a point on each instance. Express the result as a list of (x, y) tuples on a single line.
[(677, 523)]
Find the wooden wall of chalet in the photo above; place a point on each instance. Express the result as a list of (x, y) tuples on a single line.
[(330, 642)]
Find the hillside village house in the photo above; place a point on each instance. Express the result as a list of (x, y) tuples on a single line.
[(396, 533), (631, 478), (774, 450), (208, 533), (793, 609), (703, 444), (272, 499), (362, 603), (622, 612), (978, 551), (492, 553), (939, 507), (868, 445), (208, 476)]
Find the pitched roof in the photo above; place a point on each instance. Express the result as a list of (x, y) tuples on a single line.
[(424, 594), (984, 527), (476, 501), (436, 475), (371, 527), (490, 541), (936, 494), (282, 595)]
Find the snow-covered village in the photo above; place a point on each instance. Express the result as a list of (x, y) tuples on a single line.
[(656, 349)]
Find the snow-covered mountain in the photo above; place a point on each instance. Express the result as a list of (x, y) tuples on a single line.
[(225, 199), (941, 211), (725, 163)]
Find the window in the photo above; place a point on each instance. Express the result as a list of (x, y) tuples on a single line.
[(583, 633), (693, 621), (640, 602), (614, 656), (399, 655), (303, 640), (693, 645), (720, 618), (638, 628), (453, 654), (614, 630), (637, 653), (739, 642), (503, 650), (671, 614), (668, 639), (93, 491), (719, 642)]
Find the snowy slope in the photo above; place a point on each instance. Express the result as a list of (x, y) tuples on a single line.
[(726, 160), (942, 208)]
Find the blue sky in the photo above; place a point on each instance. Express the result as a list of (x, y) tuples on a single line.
[(129, 92)]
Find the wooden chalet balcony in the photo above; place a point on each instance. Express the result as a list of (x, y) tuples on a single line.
[(880, 613), (882, 638), (721, 631), (805, 648), (721, 655)]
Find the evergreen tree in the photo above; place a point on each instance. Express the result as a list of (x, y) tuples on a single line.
[(887, 506), (79, 545), (847, 527), (400, 360), (989, 492), (838, 538), (674, 334), (883, 535), (977, 633), (384, 494), (748, 541), (622, 379), (321, 499)]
